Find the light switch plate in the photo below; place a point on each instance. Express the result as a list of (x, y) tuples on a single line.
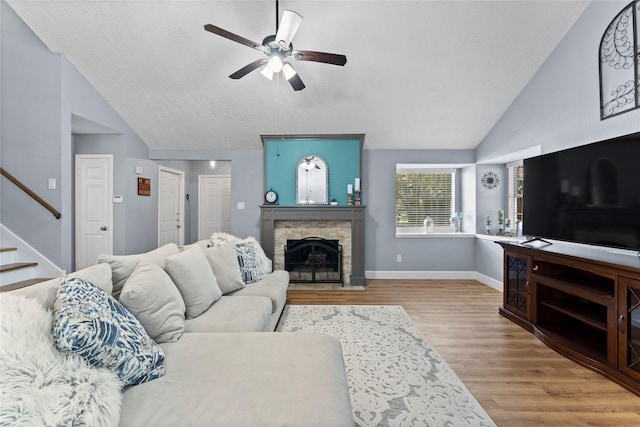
[(52, 183), (139, 170), (240, 205)]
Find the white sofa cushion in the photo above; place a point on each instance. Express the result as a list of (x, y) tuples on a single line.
[(245, 379), (45, 292), (192, 274), (223, 260), (123, 265), (234, 314), (152, 297)]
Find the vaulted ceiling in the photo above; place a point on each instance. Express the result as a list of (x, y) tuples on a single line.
[(420, 74)]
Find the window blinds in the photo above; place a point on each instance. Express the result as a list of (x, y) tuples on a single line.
[(422, 194)]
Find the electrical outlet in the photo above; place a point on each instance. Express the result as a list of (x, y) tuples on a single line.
[(399, 258)]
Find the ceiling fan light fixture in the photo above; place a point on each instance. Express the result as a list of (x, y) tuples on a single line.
[(275, 64), (289, 25), (266, 71), (288, 71)]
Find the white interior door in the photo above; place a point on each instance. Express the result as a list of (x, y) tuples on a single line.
[(94, 209), (214, 204), (170, 206)]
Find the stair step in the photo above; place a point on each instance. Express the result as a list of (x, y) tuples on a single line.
[(16, 266), (8, 255), (23, 284)]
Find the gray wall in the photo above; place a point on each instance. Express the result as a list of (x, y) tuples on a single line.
[(247, 184), (40, 93), (192, 169), (560, 106), (418, 254)]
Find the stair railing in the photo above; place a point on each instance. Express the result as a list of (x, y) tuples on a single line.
[(33, 195)]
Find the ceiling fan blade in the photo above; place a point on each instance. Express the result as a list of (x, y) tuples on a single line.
[(327, 58), (289, 24), (296, 83), (234, 37), (248, 68)]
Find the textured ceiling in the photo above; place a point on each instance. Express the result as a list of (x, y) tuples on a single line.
[(420, 74)]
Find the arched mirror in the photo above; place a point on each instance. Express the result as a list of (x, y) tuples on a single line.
[(312, 181)]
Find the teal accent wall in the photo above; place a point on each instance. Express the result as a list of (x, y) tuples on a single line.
[(282, 156)]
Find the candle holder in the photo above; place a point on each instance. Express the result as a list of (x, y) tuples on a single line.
[(349, 199), (357, 197)]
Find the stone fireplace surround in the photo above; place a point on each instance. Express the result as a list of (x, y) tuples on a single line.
[(313, 219)]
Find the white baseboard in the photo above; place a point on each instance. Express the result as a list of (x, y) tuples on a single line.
[(435, 275)]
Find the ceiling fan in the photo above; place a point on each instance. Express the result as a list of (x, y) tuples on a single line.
[(279, 50)]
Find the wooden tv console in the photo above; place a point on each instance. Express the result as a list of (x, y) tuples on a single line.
[(585, 309)]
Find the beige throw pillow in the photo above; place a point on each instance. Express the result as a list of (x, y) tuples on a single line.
[(151, 296), (223, 260), (192, 274), (123, 265)]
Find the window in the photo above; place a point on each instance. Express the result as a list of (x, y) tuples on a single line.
[(516, 184), (423, 193)]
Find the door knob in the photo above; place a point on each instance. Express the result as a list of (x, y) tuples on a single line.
[(104, 228)]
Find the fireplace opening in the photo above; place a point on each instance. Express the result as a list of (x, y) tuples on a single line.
[(313, 260)]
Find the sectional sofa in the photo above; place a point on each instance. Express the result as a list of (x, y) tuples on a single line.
[(207, 355)]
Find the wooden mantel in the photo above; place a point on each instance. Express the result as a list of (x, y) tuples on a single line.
[(269, 214)]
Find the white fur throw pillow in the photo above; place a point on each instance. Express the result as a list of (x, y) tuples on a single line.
[(41, 386)]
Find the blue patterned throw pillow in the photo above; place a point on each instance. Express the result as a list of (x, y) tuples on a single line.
[(92, 324), (247, 261)]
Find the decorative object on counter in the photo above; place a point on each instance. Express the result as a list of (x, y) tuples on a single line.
[(334, 202), (349, 195), (456, 222), (271, 197), (500, 223), (507, 227), (488, 223), (357, 189), (429, 225)]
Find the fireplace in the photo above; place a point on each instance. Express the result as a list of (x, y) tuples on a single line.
[(343, 223), (313, 260)]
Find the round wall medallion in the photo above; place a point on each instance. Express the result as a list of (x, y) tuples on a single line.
[(490, 180)]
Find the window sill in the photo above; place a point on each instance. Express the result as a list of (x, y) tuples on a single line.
[(495, 238), (414, 235)]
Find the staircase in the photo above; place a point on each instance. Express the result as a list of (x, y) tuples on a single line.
[(20, 264), (14, 275)]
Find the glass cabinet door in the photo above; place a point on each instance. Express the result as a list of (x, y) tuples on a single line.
[(516, 284), (629, 326)]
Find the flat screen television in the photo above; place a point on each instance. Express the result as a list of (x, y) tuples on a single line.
[(587, 194)]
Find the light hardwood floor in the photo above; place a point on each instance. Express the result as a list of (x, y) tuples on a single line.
[(515, 377)]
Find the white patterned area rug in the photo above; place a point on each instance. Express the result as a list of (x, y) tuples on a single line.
[(396, 378)]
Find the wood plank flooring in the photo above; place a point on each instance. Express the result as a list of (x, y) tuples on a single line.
[(515, 377)]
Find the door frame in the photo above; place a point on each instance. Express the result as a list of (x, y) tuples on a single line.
[(181, 201), (77, 211)]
